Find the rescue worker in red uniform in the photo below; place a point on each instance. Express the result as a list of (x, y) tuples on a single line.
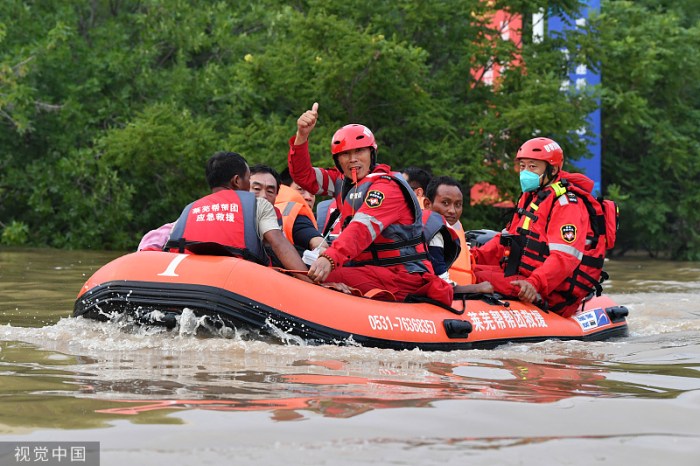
[(548, 252), (231, 220), (381, 245)]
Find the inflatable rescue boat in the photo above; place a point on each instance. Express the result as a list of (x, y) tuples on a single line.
[(155, 288)]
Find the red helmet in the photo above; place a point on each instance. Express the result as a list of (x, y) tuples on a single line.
[(352, 136), (542, 149)]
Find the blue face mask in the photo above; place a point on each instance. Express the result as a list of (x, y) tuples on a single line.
[(529, 181)]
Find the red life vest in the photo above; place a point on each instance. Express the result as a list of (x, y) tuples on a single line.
[(527, 251), (222, 223), (397, 244)]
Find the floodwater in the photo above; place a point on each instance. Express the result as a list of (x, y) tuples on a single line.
[(156, 397)]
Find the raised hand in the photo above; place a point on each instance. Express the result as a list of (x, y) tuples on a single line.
[(306, 123)]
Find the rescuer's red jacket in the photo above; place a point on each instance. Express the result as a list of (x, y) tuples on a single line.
[(379, 212), (560, 223)]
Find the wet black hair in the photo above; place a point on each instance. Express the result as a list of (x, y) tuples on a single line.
[(223, 166), (260, 168), (286, 177), (419, 175), (438, 181)]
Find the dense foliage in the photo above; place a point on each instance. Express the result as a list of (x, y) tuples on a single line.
[(108, 110), (650, 56)]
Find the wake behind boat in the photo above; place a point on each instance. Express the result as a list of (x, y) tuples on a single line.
[(246, 296)]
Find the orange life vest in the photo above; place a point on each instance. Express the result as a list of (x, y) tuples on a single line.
[(461, 271), (435, 224), (291, 204)]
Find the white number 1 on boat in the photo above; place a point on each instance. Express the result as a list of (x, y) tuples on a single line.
[(170, 271)]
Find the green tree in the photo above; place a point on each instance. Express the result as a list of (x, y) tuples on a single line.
[(111, 120), (78, 202), (161, 156), (651, 95)]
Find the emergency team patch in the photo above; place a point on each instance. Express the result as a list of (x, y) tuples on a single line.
[(374, 198), (568, 233)]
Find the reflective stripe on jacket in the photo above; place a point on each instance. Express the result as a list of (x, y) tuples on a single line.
[(397, 243), (529, 247)]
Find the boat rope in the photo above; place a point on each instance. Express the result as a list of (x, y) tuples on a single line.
[(280, 269)]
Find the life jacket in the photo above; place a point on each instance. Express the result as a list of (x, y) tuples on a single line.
[(222, 223), (526, 252), (290, 204), (435, 224), (462, 272), (328, 218), (323, 211), (397, 244)]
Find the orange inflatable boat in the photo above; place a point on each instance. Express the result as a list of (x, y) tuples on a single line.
[(155, 287)]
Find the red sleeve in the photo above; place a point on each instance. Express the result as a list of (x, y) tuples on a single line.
[(493, 251), (566, 238), (320, 181), (489, 253), (369, 222)]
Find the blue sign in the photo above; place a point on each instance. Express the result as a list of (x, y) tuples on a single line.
[(601, 317), (579, 79)]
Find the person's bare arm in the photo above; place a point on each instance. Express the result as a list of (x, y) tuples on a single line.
[(483, 287), (317, 241), (286, 253)]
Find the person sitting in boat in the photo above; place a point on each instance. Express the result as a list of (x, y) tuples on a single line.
[(232, 220), (381, 243), (444, 196), (309, 199), (549, 253), (154, 240), (295, 217), (445, 246), (265, 182), (418, 179)]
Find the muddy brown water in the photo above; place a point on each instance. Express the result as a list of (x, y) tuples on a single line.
[(152, 397)]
